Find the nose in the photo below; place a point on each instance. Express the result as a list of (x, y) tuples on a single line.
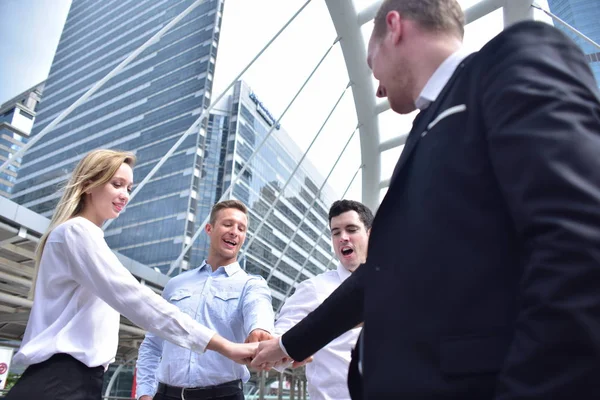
[(381, 92), (124, 196), (343, 236)]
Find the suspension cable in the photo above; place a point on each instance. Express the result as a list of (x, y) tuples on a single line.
[(287, 294), (292, 175), (100, 83), (310, 207), (238, 176), (205, 113), (571, 28)]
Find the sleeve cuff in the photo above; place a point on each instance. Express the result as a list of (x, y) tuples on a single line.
[(268, 329), (202, 338), (282, 347)]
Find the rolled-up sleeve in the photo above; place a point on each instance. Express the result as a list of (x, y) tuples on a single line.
[(149, 355), (257, 306)]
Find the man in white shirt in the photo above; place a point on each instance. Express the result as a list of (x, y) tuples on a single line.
[(220, 295), (350, 224)]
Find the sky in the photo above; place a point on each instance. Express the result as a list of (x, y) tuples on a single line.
[(30, 31)]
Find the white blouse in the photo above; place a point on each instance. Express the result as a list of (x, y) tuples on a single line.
[(81, 289)]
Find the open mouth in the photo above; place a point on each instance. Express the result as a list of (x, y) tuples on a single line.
[(230, 242), (346, 251)]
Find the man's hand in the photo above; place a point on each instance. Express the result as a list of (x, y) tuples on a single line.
[(268, 354), (258, 335), (145, 397)]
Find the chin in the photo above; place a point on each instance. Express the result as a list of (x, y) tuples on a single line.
[(403, 108)]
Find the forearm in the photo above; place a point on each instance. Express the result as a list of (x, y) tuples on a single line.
[(149, 355), (258, 307), (340, 312)]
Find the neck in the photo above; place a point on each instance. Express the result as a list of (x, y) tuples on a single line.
[(434, 51), (215, 261), (92, 218)]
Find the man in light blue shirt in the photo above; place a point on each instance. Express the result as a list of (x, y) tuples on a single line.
[(221, 296)]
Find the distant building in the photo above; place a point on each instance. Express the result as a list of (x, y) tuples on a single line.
[(16, 120), (583, 15), (237, 126), (145, 108)]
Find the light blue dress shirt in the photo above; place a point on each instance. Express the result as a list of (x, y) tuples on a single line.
[(229, 301)]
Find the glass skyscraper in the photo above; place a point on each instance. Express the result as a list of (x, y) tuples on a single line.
[(295, 218), (583, 15), (145, 109)]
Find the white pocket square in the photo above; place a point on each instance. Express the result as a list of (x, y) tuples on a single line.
[(447, 113)]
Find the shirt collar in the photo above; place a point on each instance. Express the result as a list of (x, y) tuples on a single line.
[(343, 273), (440, 78), (230, 269)]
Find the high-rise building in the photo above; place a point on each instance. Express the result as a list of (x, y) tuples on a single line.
[(295, 219), (16, 120), (583, 15), (145, 108)]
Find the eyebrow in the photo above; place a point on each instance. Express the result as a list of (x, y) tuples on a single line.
[(233, 221), (123, 180), (345, 226)]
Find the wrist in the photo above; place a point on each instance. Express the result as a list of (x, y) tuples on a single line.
[(219, 344), (282, 347)]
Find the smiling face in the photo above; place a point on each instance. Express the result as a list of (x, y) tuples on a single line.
[(350, 239), (227, 235), (108, 200)]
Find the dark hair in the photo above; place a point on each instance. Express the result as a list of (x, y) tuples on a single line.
[(238, 205), (433, 15), (341, 206)]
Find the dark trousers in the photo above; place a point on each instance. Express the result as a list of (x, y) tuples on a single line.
[(61, 377), (237, 396), (225, 391), (355, 383)]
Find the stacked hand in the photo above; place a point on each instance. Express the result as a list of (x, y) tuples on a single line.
[(261, 351), (270, 355)]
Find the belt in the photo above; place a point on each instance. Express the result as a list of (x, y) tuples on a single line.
[(201, 393)]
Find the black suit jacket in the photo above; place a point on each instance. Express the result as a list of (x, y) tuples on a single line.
[(483, 272)]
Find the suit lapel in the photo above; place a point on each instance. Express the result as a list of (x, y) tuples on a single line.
[(411, 141), (422, 120)]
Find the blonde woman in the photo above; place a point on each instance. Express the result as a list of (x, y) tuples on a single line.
[(81, 288)]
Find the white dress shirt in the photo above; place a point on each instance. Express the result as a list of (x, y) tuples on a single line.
[(327, 375), (440, 78), (81, 289)]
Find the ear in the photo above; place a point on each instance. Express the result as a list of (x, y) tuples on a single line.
[(394, 24), (208, 228), (86, 186)]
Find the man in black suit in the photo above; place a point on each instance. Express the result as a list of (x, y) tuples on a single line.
[(483, 274)]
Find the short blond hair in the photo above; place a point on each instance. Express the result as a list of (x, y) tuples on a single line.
[(432, 15), (238, 205)]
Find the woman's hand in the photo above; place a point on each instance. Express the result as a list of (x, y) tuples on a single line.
[(241, 353)]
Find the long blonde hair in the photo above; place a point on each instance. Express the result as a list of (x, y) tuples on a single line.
[(95, 169)]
